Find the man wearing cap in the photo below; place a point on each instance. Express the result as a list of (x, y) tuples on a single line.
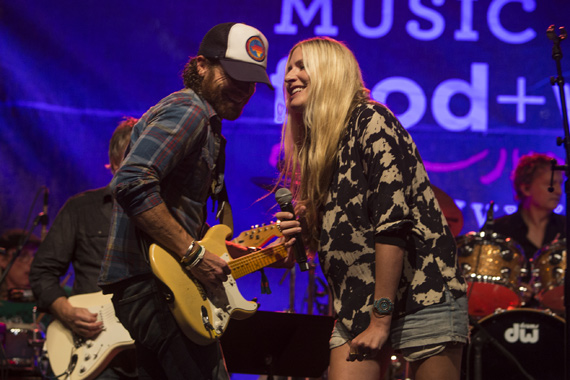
[(174, 162)]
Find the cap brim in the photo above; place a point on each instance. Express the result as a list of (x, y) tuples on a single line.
[(246, 72)]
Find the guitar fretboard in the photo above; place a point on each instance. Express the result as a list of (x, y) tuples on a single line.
[(254, 261)]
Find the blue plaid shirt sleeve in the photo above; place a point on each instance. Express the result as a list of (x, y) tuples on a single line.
[(159, 144)]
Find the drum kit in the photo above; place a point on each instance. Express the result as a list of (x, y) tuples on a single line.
[(511, 339), (21, 342)]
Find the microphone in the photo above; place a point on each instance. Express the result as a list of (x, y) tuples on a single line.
[(284, 197), (45, 218), (552, 169), (490, 222)]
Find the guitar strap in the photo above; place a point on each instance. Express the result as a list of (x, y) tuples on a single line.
[(219, 191), (224, 213)]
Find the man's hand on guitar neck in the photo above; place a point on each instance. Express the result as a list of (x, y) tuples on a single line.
[(80, 320)]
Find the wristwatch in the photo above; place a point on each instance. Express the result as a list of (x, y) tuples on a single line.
[(383, 306)]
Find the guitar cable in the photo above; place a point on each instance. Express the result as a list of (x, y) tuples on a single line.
[(206, 319), (44, 367), (209, 327), (219, 361)]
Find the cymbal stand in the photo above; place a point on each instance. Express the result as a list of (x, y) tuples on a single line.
[(311, 288), (559, 80), (292, 281), (291, 273)]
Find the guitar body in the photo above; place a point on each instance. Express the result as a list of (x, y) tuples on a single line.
[(86, 358), (202, 317)]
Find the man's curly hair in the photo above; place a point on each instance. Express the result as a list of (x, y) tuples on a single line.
[(190, 76)]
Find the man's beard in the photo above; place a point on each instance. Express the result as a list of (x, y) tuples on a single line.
[(224, 107)]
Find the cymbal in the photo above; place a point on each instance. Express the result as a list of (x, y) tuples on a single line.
[(452, 213), (266, 183)]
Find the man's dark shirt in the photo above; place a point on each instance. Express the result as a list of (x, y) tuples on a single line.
[(78, 236), (513, 226)]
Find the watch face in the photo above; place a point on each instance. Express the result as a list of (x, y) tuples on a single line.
[(383, 305)]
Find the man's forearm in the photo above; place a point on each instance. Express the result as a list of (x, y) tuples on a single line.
[(161, 226)]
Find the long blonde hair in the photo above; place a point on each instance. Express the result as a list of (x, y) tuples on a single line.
[(310, 145)]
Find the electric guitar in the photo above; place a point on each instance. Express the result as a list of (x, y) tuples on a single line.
[(204, 317), (83, 359), (258, 235)]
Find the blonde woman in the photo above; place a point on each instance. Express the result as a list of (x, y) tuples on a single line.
[(369, 211)]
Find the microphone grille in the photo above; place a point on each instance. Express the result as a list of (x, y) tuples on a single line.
[(283, 196)]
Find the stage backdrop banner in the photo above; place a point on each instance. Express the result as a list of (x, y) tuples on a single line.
[(470, 80)]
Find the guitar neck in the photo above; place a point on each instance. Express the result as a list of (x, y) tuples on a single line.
[(254, 261)]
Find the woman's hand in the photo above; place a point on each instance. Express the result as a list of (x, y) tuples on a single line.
[(289, 228), (367, 344)]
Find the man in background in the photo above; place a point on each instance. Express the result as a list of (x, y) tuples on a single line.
[(78, 237)]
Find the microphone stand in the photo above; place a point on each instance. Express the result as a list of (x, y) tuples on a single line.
[(559, 80)]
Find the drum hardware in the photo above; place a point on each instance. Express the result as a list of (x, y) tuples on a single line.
[(480, 338), (492, 265), (20, 295), (515, 344), (398, 369), (548, 269), (21, 347)]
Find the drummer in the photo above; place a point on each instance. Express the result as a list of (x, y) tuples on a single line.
[(16, 300), (535, 224)]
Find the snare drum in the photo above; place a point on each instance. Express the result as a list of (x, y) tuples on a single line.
[(492, 266), (533, 337), (548, 267)]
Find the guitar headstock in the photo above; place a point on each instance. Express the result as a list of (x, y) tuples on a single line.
[(258, 235)]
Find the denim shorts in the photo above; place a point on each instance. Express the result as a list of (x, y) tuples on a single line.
[(424, 333)]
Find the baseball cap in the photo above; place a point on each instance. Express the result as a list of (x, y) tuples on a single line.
[(241, 50)]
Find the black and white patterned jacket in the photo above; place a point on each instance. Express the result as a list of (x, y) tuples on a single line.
[(380, 192)]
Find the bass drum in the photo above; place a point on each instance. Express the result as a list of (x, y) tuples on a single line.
[(548, 267), (534, 338), (492, 265)]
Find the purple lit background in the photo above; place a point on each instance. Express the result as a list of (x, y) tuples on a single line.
[(470, 80)]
